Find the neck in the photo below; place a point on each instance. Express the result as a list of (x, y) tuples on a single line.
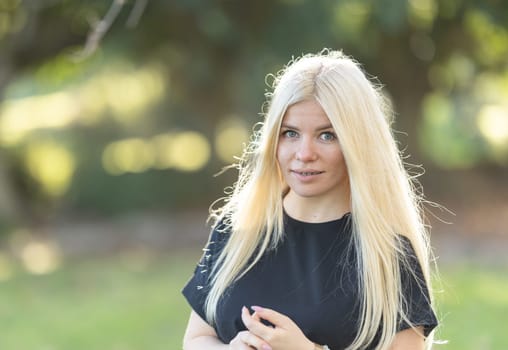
[(311, 209)]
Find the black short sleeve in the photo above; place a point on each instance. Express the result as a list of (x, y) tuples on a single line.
[(197, 288), (419, 309)]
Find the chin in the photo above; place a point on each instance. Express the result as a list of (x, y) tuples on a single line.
[(307, 194)]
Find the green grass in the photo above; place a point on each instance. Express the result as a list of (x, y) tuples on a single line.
[(124, 303), (118, 303), (473, 307)]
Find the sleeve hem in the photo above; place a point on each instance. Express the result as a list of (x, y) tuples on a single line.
[(427, 327), (193, 299)]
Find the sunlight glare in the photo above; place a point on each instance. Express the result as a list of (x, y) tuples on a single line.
[(492, 120)]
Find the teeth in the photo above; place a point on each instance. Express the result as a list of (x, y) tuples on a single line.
[(310, 173)]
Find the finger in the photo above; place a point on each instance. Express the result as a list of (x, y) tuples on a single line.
[(253, 341), (255, 316), (238, 343), (274, 317), (255, 326)]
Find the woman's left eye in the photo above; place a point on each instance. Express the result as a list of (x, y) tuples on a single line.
[(327, 136)]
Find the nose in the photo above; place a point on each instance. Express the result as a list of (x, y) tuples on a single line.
[(306, 151)]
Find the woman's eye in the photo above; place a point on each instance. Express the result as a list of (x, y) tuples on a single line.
[(290, 133), (328, 136)]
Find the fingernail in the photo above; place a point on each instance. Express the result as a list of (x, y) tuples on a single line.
[(266, 347), (257, 308)]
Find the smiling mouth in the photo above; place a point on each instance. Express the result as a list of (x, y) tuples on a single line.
[(308, 173)]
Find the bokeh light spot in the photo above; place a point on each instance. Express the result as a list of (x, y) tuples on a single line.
[(441, 136), (422, 46), (437, 109), (492, 88), (185, 151), (133, 155), (490, 38), (163, 144), (351, 16), (422, 13), (492, 121), (190, 151), (20, 117), (50, 164), (86, 104), (463, 69), (231, 135), (40, 257), (138, 90)]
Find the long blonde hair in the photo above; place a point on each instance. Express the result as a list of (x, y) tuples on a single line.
[(384, 201)]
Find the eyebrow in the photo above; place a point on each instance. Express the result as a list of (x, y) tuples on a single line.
[(319, 128)]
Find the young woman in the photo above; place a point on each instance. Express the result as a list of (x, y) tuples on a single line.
[(321, 243)]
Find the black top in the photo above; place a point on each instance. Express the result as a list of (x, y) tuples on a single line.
[(311, 278)]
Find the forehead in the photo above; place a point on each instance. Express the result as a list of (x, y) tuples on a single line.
[(308, 112)]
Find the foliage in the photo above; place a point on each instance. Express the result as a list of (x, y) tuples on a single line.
[(199, 65)]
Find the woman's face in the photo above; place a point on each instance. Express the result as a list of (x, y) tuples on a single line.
[(309, 153)]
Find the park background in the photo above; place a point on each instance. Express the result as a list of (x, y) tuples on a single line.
[(116, 115)]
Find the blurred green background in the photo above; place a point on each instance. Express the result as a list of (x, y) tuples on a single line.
[(115, 116)]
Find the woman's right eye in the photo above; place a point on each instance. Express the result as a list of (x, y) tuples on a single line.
[(289, 133)]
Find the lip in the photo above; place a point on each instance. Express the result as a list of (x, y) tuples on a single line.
[(306, 175), (307, 171)]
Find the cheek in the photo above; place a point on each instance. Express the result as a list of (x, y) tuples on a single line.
[(281, 155), (342, 165), (338, 158), (281, 164)]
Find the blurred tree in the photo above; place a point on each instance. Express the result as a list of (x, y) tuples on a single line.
[(205, 62)]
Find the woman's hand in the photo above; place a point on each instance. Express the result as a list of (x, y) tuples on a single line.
[(246, 340), (285, 335)]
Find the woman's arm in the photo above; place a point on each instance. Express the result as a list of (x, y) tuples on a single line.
[(409, 339), (200, 335)]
